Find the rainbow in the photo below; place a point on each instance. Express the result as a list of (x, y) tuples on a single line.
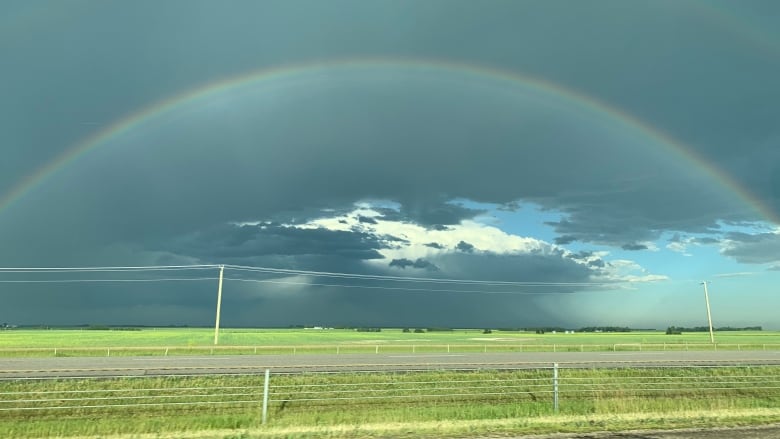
[(282, 75)]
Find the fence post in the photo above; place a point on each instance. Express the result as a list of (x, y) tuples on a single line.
[(448, 349), (108, 352), (55, 350), (166, 352), (377, 349), (265, 395), (337, 349), (555, 387), (413, 349)]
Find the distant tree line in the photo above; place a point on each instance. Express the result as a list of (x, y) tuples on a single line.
[(605, 329), (680, 329)]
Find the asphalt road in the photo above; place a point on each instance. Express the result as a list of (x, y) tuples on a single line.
[(247, 364)]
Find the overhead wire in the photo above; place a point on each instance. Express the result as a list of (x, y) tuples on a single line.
[(42, 281), (293, 272), (378, 287), (408, 278)]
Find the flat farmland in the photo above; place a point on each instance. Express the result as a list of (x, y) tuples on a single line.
[(178, 340)]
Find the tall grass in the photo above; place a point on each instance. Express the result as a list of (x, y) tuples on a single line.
[(99, 407)]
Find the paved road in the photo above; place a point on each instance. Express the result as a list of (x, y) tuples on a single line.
[(233, 364)]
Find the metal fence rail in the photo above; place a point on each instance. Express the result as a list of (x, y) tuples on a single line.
[(550, 387)]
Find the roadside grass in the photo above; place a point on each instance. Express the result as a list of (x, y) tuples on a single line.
[(406, 404)]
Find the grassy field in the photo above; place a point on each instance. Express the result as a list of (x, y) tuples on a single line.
[(420, 404), (303, 337)]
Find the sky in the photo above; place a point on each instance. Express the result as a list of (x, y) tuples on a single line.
[(449, 163)]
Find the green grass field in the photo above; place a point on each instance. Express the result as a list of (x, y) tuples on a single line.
[(152, 341), (303, 337)]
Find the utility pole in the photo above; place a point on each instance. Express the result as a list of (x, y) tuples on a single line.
[(709, 315), (219, 304)]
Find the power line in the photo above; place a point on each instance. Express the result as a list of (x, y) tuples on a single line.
[(283, 272), (408, 279), (105, 269), (271, 281), (47, 281)]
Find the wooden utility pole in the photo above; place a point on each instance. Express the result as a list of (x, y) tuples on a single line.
[(709, 315), (219, 304)]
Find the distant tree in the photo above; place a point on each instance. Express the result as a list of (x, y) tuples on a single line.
[(487, 331), (419, 331), (406, 330)]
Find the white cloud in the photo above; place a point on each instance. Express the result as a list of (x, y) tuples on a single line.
[(737, 274), (624, 270), (484, 238), (432, 244)]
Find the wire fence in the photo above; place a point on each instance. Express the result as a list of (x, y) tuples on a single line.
[(544, 390), (378, 349)]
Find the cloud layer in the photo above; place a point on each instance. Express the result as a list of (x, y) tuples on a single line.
[(388, 169)]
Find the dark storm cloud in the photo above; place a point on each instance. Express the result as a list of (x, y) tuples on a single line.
[(435, 245), (245, 242), (366, 220), (597, 263), (167, 190), (589, 258), (549, 266), (465, 247), (753, 249), (633, 247), (563, 240), (418, 263), (359, 133)]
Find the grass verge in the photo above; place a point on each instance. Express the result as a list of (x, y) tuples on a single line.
[(418, 404)]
